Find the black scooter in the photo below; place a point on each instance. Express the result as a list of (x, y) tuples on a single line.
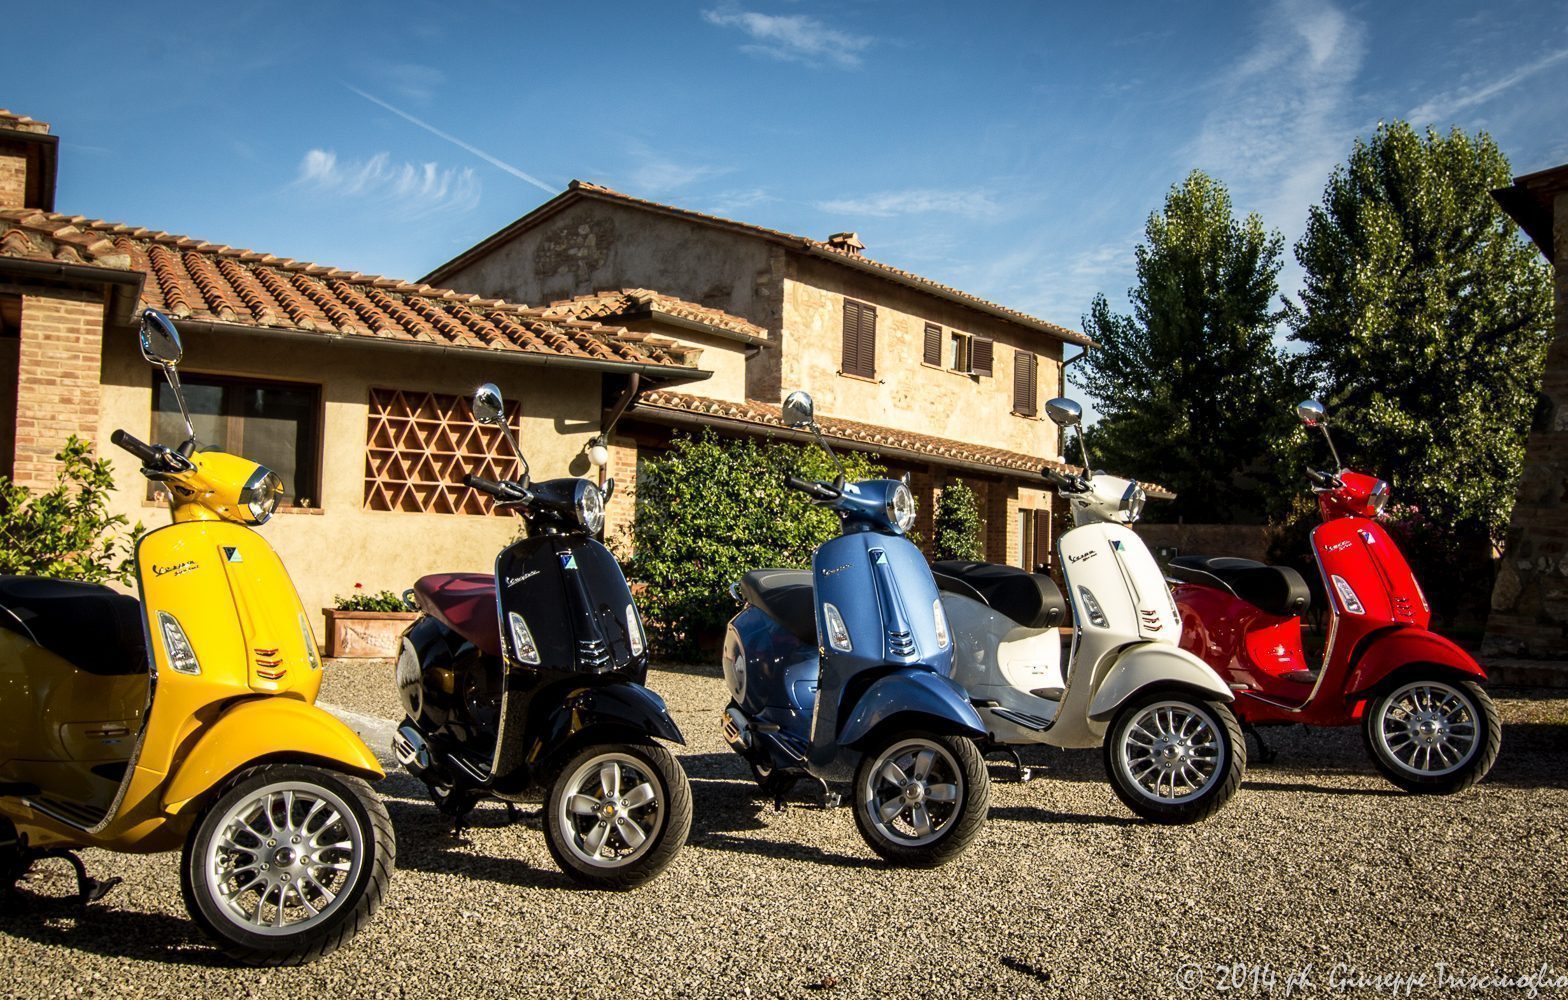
[(529, 683)]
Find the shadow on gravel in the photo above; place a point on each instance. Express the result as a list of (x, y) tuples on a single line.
[(1313, 789), (786, 849), (1033, 814), (102, 929), (425, 843)]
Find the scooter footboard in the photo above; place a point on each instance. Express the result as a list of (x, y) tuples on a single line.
[(1154, 664), (921, 697), (622, 705)]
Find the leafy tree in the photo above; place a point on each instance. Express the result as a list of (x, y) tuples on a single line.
[(1192, 391), (67, 532), (960, 529), (711, 509), (1425, 324)]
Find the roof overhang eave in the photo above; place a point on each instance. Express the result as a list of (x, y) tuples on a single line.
[(658, 375), (123, 286)]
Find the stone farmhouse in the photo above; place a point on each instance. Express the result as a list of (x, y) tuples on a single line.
[(937, 382), (355, 387)]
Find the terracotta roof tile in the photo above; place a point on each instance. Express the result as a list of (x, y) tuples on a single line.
[(851, 259), (621, 304), (193, 279), (12, 122)]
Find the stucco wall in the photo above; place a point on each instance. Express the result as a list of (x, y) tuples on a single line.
[(328, 552), (908, 394), (724, 357)]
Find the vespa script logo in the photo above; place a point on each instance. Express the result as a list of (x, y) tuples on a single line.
[(1082, 556), (1337, 546), (513, 581), (835, 569), (178, 569)]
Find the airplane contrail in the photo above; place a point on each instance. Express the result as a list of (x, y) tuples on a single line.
[(454, 140)]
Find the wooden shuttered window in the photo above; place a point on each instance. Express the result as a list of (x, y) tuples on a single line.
[(1025, 370), (982, 351), (933, 346), (860, 339)]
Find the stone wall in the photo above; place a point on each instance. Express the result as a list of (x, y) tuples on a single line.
[(1530, 600), (1245, 541), (57, 391)]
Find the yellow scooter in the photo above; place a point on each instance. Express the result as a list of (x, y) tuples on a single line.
[(187, 720)]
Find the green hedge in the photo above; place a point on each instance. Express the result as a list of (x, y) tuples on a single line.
[(711, 509), (67, 531), (960, 530)]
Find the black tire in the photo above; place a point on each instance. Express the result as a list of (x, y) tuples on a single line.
[(1478, 711), (956, 829), (671, 824), (1224, 738), (357, 897)]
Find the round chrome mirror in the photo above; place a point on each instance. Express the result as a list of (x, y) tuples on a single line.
[(1311, 412), (1064, 411), (488, 407), (160, 341), (799, 410)]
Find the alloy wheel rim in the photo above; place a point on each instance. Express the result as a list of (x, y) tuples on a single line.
[(1171, 751), (1428, 728), (913, 792), (283, 858), (612, 811)]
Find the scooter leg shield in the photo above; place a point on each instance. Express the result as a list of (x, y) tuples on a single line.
[(1143, 666), (266, 729), (942, 704)]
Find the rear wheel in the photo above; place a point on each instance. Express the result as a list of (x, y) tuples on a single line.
[(1433, 736), (288, 863), (618, 814), (920, 799), (1174, 757)]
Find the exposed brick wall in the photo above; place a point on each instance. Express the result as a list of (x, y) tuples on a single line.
[(1245, 541), (58, 370), (13, 176), (1001, 522), (619, 514)]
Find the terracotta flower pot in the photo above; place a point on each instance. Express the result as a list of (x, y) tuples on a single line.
[(365, 634)]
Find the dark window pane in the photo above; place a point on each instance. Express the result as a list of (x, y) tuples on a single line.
[(273, 424)]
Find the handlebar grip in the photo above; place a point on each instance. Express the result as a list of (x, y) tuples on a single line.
[(141, 449), (482, 484), (816, 490)]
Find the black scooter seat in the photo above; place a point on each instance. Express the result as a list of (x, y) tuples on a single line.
[(464, 603), (1279, 590), (785, 596), (1033, 600), (93, 628)]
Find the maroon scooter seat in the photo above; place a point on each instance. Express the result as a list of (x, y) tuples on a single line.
[(464, 603)]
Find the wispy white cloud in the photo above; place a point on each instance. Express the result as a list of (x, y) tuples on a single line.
[(792, 37), (915, 201), (737, 202), (494, 161), (655, 173), (412, 81), (1441, 109), (414, 188), (1284, 114)]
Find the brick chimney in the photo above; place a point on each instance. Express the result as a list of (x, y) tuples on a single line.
[(28, 156), (847, 242)]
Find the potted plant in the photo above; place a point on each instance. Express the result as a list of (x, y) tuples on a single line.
[(365, 625)]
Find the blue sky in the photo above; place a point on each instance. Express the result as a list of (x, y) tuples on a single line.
[(1014, 150)]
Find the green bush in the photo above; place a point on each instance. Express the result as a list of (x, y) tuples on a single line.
[(712, 509), (960, 530), (362, 601), (67, 532)]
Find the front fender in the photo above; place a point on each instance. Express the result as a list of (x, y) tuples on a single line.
[(1400, 647), (621, 705), (269, 728), (1149, 664), (943, 705)]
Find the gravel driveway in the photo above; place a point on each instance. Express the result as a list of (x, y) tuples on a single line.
[(1317, 865)]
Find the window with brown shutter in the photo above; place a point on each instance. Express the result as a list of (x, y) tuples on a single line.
[(981, 354), (961, 357), (1024, 395), (860, 339), (933, 347)]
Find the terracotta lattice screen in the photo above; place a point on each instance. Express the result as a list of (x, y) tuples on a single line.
[(419, 445)]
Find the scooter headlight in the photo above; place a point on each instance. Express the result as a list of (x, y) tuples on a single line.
[(590, 508), (522, 639), (262, 493), (901, 507), (1133, 501)]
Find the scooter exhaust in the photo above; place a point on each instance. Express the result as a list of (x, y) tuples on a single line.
[(412, 751), (737, 729)]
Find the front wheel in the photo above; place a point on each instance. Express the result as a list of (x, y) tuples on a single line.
[(1173, 757), (288, 863), (1432, 736), (920, 798), (618, 814)]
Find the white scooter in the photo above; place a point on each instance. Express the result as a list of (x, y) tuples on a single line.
[(1173, 748)]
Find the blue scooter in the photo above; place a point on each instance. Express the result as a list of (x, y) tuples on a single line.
[(844, 671)]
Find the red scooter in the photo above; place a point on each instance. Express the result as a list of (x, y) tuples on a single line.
[(1427, 724)]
